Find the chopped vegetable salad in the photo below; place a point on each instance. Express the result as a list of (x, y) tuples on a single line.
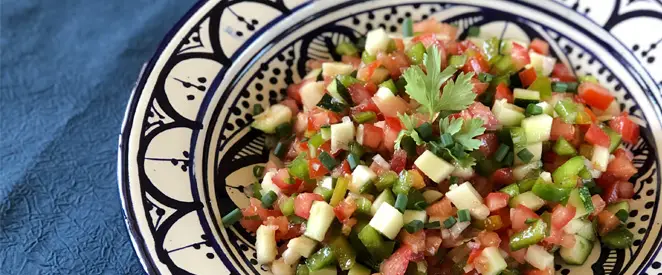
[(419, 154)]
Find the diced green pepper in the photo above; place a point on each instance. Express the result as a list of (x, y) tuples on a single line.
[(491, 50), (367, 58), (529, 236), (299, 167), (618, 238), (404, 183), (302, 269), (563, 148), (550, 192), (386, 180), (343, 251), (527, 184), (256, 189), (324, 192), (373, 241), (415, 200), (457, 61), (356, 149), (504, 65), (363, 205), (287, 206), (390, 85), (320, 259), (567, 110), (512, 190), (518, 137), (347, 80), (364, 117), (570, 168), (416, 53), (543, 85), (346, 48), (614, 138)]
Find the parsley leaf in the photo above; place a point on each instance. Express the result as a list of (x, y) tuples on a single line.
[(451, 127), (424, 88), (458, 94), (409, 122), (473, 128)]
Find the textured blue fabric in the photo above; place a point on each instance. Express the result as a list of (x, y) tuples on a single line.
[(67, 70)]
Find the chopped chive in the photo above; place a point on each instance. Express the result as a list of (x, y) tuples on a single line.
[(401, 202), (414, 226), (485, 77), (327, 160), (407, 28), (463, 215), (353, 161), (364, 117), (622, 215), (269, 198), (572, 87), (473, 31), (446, 140), (508, 161), (448, 223), (256, 188), (425, 131), (530, 220), (533, 109), (525, 155), (257, 109), (420, 205), (432, 225), (232, 217), (258, 171), (502, 152), (280, 149), (559, 87), (356, 149), (284, 130), (454, 180)]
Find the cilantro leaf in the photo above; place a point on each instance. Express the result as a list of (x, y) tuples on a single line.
[(458, 94), (424, 88), (451, 127), (409, 130), (473, 128)]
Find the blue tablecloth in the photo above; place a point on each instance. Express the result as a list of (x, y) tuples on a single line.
[(67, 70)]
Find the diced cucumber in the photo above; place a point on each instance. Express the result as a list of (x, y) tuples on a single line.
[(541, 63), (361, 176), (313, 74), (600, 158), (358, 269), (387, 221), (577, 254), (465, 196), (376, 41), (615, 207), (582, 228), (522, 171), (321, 216), (463, 172), (568, 169), (342, 134), (290, 257), (546, 108), (525, 97), (432, 196), (311, 93), (411, 215), (494, 262), (281, 267), (534, 148), (268, 185), (385, 197), (507, 114), (539, 258), (338, 91), (537, 128), (325, 131), (433, 166), (302, 245), (329, 270), (527, 199), (580, 198), (327, 182), (333, 69), (271, 118), (265, 244)]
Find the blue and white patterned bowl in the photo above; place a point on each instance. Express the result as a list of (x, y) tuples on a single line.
[(186, 150)]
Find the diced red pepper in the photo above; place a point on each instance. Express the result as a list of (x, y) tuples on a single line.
[(316, 169), (503, 92), (595, 95), (527, 77)]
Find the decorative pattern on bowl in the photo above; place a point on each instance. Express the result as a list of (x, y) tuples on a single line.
[(186, 150)]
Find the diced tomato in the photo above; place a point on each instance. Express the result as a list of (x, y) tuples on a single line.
[(621, 168), (432, 242), (415, 240), (399, 160), (595, 95), (475, 253), (482, 185), (478, 110), (562, 129), (342, 169), (562, 72), (428, 39), (250, 222), (303, 202), (372, 136), (391, 131), (399, 44), (534, 271), (365, 73), (359, 92), (597, 136), (518, 216), (345, 209), (397, 263), (520, 56), (628, 130), (479, 87), (625, 189), (503, 92), (476, 64), (285, 182), (467, 45), (489, 143), (540, 46), (598, 203), (488, 238), (283, 225), (294, 90), (391, 106), (607, 222), (319, 117), (395, 62), (622, 152), (355, 61), (527, 76), (503, 176), (441, 209), (561, 215), (435, 27), (551, 160), (316, 169), (366, 106), (496, 200)]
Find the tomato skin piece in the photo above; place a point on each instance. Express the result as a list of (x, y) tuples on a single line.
[(518, 216), (519, 56), (316, 169), (595, 95), (527, 76), (503, 92), (596, 136), (432, 26), (503, 176), (562, 73), (372, 136), (489, 143), (303, 202), (628, 130), (496, 201), (397, 263)]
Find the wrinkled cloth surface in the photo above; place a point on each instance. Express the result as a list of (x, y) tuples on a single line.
[(67, 69)]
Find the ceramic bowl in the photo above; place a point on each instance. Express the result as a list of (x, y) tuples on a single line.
[(186, 150)]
